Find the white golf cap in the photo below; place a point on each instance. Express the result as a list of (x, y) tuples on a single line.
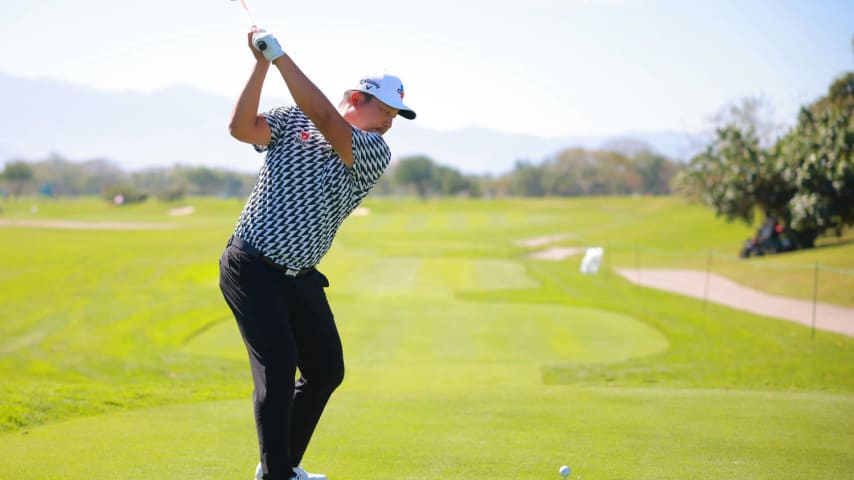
[(388, 89)]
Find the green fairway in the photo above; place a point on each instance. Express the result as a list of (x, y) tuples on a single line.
[(465, 358)]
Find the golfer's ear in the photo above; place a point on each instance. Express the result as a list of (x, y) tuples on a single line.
[(357, 98)]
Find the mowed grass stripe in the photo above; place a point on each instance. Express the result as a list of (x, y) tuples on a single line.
[(405, 341), (408, 339), (360, 275)]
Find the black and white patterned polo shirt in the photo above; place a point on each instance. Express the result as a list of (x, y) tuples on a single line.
[(304, 191)]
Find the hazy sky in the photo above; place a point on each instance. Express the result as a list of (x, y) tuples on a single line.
[(549, 67)]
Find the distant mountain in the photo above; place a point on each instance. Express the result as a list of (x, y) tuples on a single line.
[(480, 150), (184, 125), (164, 127)]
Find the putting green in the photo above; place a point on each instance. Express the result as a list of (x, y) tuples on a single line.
[(392, 327), (526, 333), (413, 344), (433, 276)]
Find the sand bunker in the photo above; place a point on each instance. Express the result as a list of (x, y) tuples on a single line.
[(552, 253), (545, 240), (833, 318), (182, 211), (556, 253)]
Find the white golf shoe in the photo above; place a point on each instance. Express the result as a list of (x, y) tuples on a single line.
[(303, 475), (299, 474)]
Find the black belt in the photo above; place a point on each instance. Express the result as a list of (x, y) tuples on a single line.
[(251, 250)]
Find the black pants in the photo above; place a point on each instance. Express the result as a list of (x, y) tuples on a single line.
[(286, 323)]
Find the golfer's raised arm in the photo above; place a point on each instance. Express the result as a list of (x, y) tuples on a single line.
[(246, 124), (318, 108)]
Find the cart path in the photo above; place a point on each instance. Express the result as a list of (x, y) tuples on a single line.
[(833, 318)]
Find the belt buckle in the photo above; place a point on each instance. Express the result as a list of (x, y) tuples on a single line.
[(290, 272)]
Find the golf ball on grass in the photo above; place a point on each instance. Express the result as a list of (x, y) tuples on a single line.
[(564, 471)]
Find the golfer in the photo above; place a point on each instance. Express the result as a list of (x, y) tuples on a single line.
[(321, 161)]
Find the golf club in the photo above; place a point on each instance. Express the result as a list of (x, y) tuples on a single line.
[(260, 44)]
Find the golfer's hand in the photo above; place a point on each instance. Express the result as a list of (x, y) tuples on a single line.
[(259, 57), (267, 44)]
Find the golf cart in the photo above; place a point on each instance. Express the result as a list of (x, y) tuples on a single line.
[(772, 237)]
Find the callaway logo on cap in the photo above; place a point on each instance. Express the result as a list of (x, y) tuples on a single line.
[(389, 90)]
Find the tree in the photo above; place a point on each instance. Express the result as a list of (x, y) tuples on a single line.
[(19, 174), (206, 180), (449, 181), (753, 116), (818, 162), (570, 173), (416, 171), (78, 178), (805, 179), (578, 171), (649, 172), (123, 194), (527, 180), (656, 172), (614, 175), (736, 176)]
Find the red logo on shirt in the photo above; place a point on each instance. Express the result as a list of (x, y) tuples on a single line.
[(302, 138)]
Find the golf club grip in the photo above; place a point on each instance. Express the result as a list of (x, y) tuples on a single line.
[(262, 45)]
